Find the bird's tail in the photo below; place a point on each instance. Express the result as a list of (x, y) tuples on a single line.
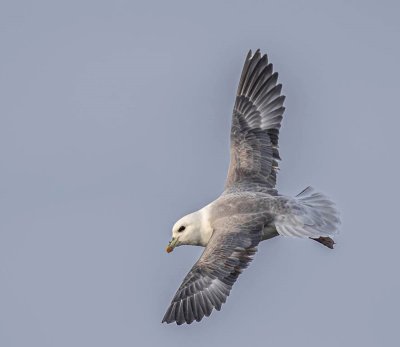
[(309, 214)]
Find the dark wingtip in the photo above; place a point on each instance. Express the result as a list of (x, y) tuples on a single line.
[(249, 54), (326, 241)]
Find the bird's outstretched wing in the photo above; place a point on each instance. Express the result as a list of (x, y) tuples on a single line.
[(210, 280), (256, 121)]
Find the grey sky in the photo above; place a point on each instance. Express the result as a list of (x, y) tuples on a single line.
[(114, 122)]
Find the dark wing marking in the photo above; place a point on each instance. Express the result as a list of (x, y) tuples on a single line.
[(256, 121), (210, 280)]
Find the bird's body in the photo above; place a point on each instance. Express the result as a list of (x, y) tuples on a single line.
[(250, 209), (238, 203)]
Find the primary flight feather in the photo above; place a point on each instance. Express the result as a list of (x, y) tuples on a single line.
[(250, 209)]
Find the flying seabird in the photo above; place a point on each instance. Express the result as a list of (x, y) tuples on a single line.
[(250, 209)]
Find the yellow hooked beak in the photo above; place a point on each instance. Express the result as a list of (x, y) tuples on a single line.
[(172, 244)]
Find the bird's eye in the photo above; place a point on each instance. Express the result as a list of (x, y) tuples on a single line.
[(181, 229)]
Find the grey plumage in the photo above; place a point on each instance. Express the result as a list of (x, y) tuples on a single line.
[(256, 121), (210, 280), (250, 209), (309, 214)]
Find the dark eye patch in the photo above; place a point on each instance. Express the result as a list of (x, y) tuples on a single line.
[(181, 228)]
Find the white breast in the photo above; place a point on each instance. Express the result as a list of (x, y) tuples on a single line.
[(206, 230)]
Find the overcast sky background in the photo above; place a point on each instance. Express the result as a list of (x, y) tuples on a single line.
[(114, 122)]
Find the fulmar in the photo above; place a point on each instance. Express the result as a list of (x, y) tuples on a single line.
[(250, 209)]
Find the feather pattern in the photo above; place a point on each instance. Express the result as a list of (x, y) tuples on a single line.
[(209, 282), (310, 214), (256, 121)]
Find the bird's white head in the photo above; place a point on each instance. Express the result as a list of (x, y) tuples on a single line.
[(193, 229)]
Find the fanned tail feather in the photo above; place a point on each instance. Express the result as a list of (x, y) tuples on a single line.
[(309, 214)]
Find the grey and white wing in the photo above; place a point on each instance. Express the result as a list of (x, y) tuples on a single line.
[(256, 121), (208, 283), (309, 214)]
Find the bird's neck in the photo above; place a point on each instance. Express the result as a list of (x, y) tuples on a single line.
[(205, 230)]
